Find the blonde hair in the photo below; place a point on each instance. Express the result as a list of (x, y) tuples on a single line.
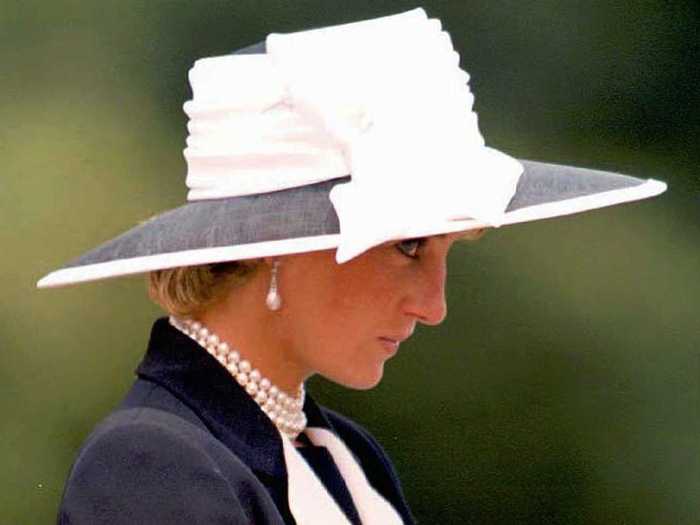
[(187, 290)]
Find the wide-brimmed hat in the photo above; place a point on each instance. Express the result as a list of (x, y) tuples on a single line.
[(341, 138)]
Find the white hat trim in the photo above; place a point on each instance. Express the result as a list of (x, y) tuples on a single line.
[(136, 265), (648, 188), (161, 261)]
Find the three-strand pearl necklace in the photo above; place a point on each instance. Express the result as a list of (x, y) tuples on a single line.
[(285, 412)]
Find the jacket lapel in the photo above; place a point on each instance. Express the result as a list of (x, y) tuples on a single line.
[(180, 365)]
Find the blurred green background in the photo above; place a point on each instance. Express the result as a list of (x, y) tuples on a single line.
[(564, 386)]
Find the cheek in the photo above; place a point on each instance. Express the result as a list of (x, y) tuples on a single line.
[(340, 316), (336, 314), (324, 287), (360, 298), (358, 309), (324, 306)]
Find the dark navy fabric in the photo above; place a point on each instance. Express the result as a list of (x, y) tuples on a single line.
[(188, 445)]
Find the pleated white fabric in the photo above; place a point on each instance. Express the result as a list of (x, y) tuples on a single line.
[(309, 501), (371, 506), (382, 100)]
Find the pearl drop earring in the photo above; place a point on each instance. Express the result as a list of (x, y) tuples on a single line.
[(273, 299)]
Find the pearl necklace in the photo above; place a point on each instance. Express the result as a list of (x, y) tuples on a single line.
[(285, 412)]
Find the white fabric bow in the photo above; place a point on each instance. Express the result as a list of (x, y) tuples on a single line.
[(383, 100), (391, 93), (310, 502)]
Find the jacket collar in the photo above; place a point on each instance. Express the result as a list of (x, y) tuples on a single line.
[(180, 365)]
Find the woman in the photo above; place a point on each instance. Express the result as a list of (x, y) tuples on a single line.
[(330, 171)]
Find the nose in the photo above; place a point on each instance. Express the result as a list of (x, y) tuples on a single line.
[(427, 303)]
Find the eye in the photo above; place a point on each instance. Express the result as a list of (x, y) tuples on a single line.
[(410, 247)]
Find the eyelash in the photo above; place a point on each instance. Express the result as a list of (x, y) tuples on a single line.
[(411, 252)]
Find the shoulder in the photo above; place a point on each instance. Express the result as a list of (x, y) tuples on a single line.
[(373, 459), (143, 465), (131, 438)]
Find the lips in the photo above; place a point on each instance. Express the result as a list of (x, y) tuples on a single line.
[(399, 337), (392, 342), (390, 345)]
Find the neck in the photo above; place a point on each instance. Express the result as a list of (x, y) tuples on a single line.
[(285, 412), (252, 329)]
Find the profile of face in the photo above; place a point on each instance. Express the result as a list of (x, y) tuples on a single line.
[(344, 321)]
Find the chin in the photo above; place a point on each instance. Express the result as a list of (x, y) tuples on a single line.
[(359, 381)]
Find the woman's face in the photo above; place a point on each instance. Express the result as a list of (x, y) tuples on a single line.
[(344, 321)]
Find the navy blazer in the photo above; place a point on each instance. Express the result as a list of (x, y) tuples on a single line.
[(188, 445)]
